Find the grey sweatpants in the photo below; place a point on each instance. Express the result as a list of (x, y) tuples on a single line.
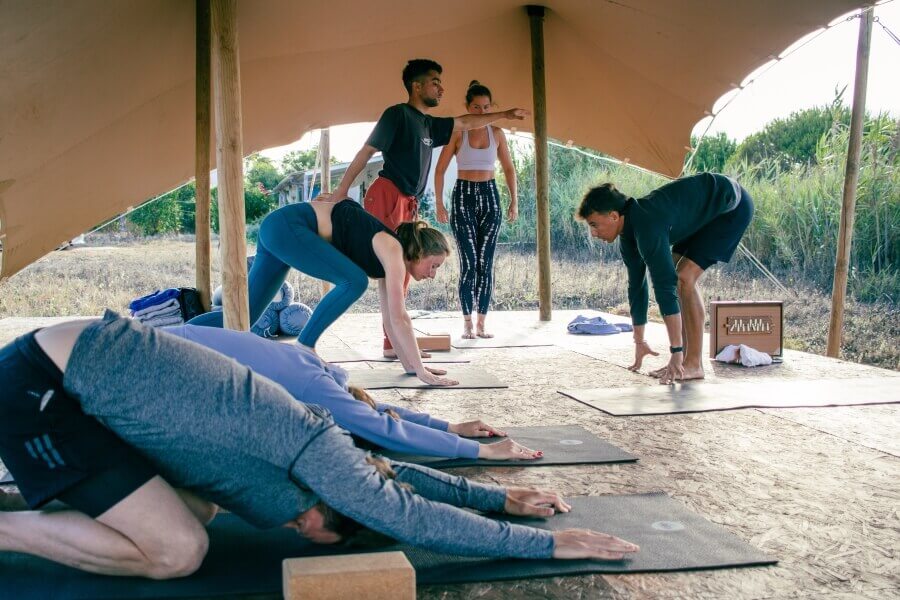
[(240, 440)]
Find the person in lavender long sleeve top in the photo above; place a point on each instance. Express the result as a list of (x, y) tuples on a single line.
[(304, 376)]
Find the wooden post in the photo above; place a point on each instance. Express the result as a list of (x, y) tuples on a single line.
[(229, 163), (851, 178), (325, 165), (541, 159), (201, 158)]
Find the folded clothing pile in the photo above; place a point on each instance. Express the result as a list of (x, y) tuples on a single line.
[(162, 308), (745, 355), (283, 316), (582, 325)]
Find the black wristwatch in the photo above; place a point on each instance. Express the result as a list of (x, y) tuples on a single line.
[(674, 349)]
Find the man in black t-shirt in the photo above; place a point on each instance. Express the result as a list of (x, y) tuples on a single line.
[(406, 135)]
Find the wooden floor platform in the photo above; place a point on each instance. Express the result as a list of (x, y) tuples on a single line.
[(818, 488)]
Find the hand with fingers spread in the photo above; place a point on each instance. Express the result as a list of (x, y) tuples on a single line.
[(432, 376), (584, 543), (525, 502), (474, 429), (674, 370), (641, 349), (329, 197), (508, 450)]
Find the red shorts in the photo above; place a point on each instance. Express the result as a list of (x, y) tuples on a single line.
[(392, 207)]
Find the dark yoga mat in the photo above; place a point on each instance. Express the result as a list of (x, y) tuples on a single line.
[(345, 355), (243, 560), (703, 397), (468, 377), (562, 445)]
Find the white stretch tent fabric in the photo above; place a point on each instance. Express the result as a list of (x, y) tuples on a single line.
[(97, 96)]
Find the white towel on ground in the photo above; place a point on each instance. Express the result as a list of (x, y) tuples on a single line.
[(745, 355)]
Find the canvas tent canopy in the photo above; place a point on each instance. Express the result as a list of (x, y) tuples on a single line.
[(97, 97)]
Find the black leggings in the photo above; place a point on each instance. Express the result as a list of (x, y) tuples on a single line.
[(476, 219)]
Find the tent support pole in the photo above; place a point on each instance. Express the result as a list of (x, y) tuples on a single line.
[(325, 158), (541, 159), (201, 158), (229, 164), (851, 178)]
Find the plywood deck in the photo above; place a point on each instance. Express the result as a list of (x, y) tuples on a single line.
[(818, 488)]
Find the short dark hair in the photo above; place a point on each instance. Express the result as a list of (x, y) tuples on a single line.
[(476, 88), (416, 69), (602, 199)]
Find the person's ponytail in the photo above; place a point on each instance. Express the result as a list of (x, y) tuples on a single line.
[(419, 240)]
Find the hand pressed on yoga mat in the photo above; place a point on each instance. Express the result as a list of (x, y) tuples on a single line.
[(508, 450), (584, 543), (431, 376), (525, 502), (475, 429)]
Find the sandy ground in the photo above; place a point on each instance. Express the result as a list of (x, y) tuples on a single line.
[(817, 488)]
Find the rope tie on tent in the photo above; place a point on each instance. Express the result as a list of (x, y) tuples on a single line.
[(890, 33)]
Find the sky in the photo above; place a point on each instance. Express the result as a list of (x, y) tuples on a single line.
[(805, 78)]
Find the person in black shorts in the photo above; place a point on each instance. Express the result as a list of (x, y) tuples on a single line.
[(120, 517), (676, 232)]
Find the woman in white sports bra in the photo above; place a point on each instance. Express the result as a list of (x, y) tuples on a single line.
[(475, 215)]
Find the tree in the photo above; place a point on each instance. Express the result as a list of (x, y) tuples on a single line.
[(712, 153), (793, 141), (260, 170), (162, 215), (257, 204), (299, 160)]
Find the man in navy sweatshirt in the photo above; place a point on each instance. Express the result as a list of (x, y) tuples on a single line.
[(676, 232)]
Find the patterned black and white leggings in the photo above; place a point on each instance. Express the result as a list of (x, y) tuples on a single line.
[(475, 218)]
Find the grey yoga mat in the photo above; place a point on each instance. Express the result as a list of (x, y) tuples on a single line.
[(702, 397), (468, 377), (346, 355), (243, 560), (562, 445)]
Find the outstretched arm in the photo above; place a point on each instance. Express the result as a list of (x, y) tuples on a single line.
[(470, 121)]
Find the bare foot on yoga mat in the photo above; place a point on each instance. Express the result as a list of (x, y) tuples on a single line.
[(468, 333), (480, 332)]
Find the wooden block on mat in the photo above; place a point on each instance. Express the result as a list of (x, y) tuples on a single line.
[(374, 576), (434, 342)]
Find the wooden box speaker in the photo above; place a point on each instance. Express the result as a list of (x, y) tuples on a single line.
[(759, 325)]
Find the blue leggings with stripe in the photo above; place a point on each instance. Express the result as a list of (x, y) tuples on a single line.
[(475, 218), (289, 237)]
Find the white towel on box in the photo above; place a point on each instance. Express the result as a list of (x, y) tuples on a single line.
[(744, 354)]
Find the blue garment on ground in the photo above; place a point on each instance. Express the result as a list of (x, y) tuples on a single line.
[(157, 297), (293, 318), (596, 326), (267, 325)]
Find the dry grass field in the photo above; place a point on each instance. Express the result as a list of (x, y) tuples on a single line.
[(111, 272)]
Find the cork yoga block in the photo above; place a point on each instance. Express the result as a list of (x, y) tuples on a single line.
[(374, 576), (440, 342)]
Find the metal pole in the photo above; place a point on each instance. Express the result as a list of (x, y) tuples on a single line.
[(851, 178)]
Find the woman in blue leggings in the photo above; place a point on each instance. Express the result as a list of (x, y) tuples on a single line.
[(343, 244), (476, 214)]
